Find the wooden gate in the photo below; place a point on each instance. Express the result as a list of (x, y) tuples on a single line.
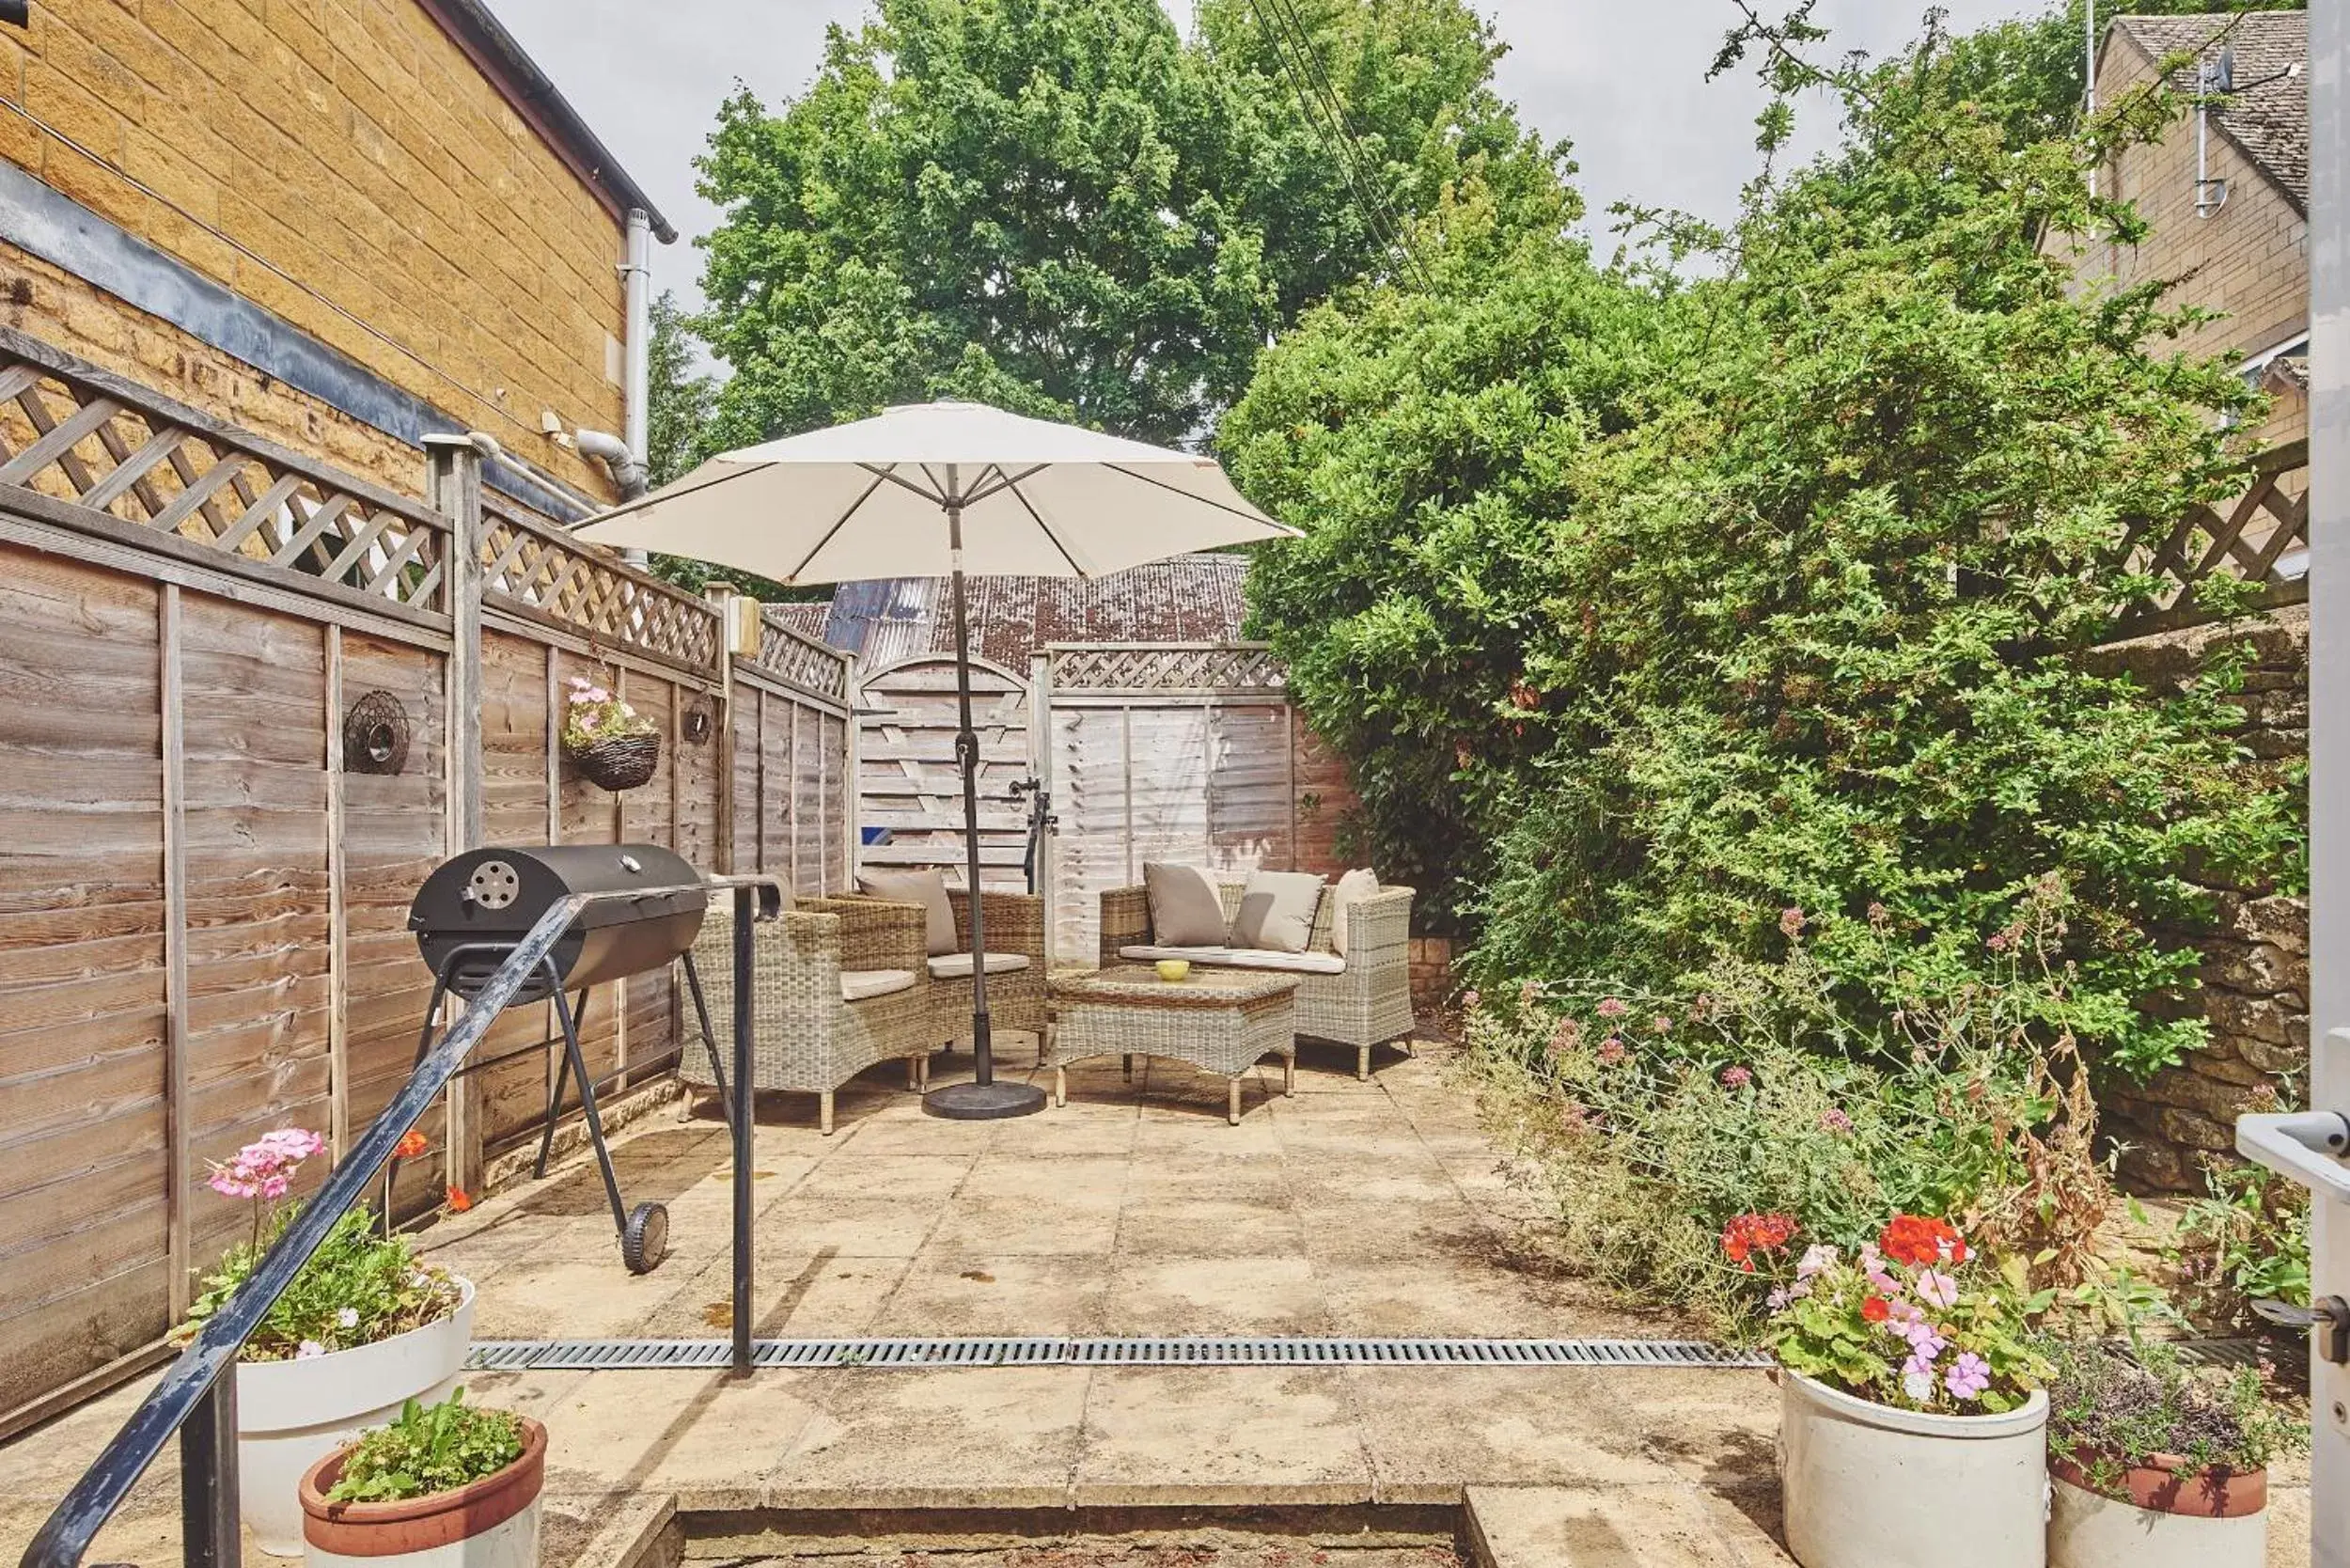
[(907, 780)]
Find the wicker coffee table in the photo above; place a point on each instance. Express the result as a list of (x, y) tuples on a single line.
[(1223, 1020)]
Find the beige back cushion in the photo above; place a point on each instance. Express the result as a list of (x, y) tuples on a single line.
[(1276, 911), (926, 889), (1352, 889), (1185, 909)]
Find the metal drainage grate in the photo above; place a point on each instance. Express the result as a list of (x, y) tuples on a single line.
[(659, 1355)]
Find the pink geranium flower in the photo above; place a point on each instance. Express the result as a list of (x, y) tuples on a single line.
[(1968, 1376), (1937, 1289)]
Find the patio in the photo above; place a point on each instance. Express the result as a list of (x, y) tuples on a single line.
[(1350, 1208)]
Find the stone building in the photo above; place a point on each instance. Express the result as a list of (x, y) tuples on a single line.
[(342, 224), (2225, 192)]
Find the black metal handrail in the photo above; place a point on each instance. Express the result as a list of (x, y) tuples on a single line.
[(195, 1400)]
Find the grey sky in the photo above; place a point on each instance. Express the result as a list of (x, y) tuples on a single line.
[(1624, 81)]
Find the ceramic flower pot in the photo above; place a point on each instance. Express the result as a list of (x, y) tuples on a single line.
[(1866, 1485), (292, 1414), (494, 1522), (2167, 1517)]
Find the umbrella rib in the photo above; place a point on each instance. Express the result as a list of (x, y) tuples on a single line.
[(1004, 481), (1284, 529), (889, 472), (843, 521), (1029, 507)]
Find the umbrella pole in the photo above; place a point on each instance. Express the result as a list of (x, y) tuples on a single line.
[(983, 1098)]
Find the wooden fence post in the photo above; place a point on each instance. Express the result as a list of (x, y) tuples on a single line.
[(453, 486), (1040, 769)]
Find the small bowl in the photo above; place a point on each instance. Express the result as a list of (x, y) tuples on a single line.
[(1174, 969)]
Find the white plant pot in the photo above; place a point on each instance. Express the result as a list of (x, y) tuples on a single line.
[(2086, 1530), (292, 1414), (1869, 1486), (511, 1544)]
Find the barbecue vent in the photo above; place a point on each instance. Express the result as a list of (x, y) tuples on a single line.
[(478, 905)]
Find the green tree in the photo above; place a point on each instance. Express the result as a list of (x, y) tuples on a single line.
[(1774, 620), (1062, 205), (680, 399)]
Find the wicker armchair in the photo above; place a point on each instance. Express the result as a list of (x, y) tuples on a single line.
[(809, 1037), (1366, 1003), (1015, 997)]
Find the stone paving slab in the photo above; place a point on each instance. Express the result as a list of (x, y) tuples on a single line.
[(1349, 1208)]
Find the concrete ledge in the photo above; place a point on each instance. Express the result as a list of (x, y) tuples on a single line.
[(1613, 1527)]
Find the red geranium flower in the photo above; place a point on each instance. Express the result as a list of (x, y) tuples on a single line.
[(1919, 1242), (1746, 1234), (411, 1144), (1876, 1309), (459, 1200)]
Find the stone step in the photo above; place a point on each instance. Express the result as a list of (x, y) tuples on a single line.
[(1616, 1527)]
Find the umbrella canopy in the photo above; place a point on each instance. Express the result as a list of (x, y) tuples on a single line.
[(869, 499), (944, 490)]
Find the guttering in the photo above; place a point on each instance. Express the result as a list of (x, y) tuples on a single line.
[(517, 77), (638, 272)]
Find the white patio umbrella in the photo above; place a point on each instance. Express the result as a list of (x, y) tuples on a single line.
[(938, 489)]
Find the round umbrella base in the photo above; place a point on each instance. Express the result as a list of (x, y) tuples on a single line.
[(983, 1102)]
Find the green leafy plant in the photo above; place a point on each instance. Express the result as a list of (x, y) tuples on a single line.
[(1911, 1320), (2247, 1241), (430, 1449), (359, 1287), (2113, 1407)]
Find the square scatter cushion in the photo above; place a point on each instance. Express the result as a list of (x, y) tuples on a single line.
[(1276, 911), (926, 889), (1352, 889), (1185, 911)]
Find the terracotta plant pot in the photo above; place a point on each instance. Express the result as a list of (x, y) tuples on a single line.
[(1869, 1486), (492, 1523), (2158, 1514)]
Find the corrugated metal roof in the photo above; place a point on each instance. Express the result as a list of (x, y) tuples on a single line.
[(2268, 116), (1186, 599)]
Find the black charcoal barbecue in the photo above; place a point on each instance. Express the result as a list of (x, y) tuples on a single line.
[(642, 908)]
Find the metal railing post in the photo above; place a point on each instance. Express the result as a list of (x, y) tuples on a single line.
[(746, 907), (210, 1528)]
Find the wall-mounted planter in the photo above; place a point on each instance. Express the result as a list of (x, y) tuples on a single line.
[(624, 762)]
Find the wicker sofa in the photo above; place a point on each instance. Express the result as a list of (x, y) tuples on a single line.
[(836, 985), (1363, 1000)]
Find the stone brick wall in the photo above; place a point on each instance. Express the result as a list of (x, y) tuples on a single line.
[(2255, 972), (1431, 973), (349, 146)]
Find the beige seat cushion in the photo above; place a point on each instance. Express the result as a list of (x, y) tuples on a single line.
[(1241, 958), (1185, 908), (958, 966), (1352, 889), (863, 985), (1276, 911), (926, 889)]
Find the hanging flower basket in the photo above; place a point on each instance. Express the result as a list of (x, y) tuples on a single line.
[(620, 763), (612, 745)]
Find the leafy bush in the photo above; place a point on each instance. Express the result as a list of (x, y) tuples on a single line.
[(1657, 1122), (2247, 1241), (1657, 609), (2111, 1407), (431, 1449), (359, 1287)]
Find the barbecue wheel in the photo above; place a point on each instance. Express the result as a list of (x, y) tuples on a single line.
[(645, 1239)]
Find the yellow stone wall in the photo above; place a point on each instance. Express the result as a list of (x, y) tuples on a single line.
[(342, 163)]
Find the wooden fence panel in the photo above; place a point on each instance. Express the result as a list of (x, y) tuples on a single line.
[(203, 903), (910, 782), (84, 1172), (254, 851)]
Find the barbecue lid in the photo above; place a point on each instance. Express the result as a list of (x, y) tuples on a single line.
[(504, 890)]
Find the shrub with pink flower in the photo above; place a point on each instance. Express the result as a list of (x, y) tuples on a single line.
[(591, 715), (360, 1286), (1929, 1335), (1736, 1078)]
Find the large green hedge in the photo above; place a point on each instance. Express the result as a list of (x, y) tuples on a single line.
[(1650, 614)]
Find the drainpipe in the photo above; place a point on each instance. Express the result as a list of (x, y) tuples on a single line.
[(625, 455)]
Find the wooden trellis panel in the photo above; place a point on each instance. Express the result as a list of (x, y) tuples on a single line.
[(1182, 752), (908, 780), (2253, 539), (536, 572)]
